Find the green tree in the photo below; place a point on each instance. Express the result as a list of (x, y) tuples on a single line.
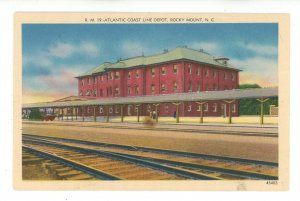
[(252, 106), (35, 114)]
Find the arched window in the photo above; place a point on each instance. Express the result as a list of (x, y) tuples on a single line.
[(101, 109)]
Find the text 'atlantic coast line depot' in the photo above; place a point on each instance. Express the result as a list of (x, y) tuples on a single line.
[(180, 82)]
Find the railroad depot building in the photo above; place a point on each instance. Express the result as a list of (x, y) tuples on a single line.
[(181, 70)]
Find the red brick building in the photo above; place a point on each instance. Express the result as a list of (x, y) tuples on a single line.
[(181, 70)]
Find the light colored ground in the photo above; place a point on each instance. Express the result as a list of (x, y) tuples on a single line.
[(223, 120), (268, 120), (252, 147)]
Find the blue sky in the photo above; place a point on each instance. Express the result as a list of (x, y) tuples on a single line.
[(53, 54)]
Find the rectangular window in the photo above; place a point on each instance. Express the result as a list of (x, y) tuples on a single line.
[(117, 109), (117, 91), (225, 76), (101, 92), (137, 90), (175, 86), (198, 70), (82, 82), (215, 87), (128, 90), (129, 75), (166, 108), (198, 86), (117, 75), (189, 108), (137, 74), (215, 73), (190, 87), (89, 81), (190, 69), (206, 87), (163, 88), (152, 88), (95, 80), (110, 76), (233, 108), (175, 68), (163, 70), (206, 72), (152, 72), (232, 76), (215, 106), (95, 92), (206, 107)]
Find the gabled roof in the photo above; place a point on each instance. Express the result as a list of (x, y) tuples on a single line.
[(175, 54)]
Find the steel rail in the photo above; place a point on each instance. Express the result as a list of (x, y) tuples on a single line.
[(164, 164), (164, 151), (78, 166), (165, 168)]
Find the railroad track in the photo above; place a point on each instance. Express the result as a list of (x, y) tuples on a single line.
[(145, 163), (191, 130)]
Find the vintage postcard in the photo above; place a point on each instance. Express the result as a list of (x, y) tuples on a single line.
[(151, 101)]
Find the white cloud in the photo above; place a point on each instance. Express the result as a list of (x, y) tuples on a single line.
[(89, 48), (209, 47), (40, 60), (65, 50), (259, 69), (259, 49), (132, 48), (62, 50)]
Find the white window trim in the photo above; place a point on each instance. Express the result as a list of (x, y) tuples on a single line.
[(215, 107), (189, 107), (101, 109), (110, 109), (206, 107)]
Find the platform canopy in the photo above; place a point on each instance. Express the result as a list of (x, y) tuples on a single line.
[(175, 97)]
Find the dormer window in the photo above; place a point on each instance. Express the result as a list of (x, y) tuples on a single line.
[(222, 60)]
